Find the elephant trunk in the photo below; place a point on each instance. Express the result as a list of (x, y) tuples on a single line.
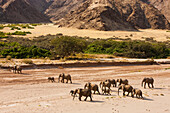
[(142, 83), (119, 89), (59, 79), (100, 84), (74, 93)]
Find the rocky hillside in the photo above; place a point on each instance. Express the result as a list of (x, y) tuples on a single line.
[(115, 15), (19, 11), (59, 8), (87, 14), (162, 5)]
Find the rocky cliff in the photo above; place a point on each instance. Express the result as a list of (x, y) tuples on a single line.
[(162, 5), (115, 15), (20, 11), (88, 14)]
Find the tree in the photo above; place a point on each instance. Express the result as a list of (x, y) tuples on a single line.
[(65, 45)]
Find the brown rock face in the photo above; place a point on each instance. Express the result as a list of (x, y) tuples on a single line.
[(142, 15), (19, 11), (59, 8), (115, 15), (89, 14), (99, 17), (161, 5)]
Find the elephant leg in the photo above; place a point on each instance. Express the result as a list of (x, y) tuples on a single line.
[(123, 93), (94, 92), (80, 97), (132, 94), (70, 81), (145, 85), (98, 91), (128, 94), (90, 98), (152, 85), (85, 98), (149, 85)]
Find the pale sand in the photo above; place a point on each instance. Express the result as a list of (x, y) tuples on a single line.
[(31, 93), (159, 35)]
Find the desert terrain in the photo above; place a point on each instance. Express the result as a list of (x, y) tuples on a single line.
[(31, 92), (158, 35)]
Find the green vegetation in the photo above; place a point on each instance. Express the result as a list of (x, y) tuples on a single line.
[(17, 28), (133, 49), (5, 35), (15, 50), (23, 33), (59, 46), (8, 57), (1, 27), (65, 46)]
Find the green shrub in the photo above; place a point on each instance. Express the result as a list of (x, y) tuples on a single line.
[(27, 61), (8, 57)]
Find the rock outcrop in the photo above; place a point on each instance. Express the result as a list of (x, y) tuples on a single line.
[(20, 11), (115, 15), (161, 5), (88, 14)]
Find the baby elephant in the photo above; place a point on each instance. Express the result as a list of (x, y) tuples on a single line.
[(51, 79), (106, 91), (138, 93), (148, 81), (83, 92), (72, 92)]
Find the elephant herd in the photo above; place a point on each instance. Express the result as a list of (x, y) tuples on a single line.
[(16, 69), (61, 78), (106, 88)]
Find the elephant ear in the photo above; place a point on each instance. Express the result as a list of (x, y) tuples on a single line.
[(79, 90)]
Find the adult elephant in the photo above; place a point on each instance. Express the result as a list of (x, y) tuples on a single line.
[(105, 84), (148, 81), (83, 92), (93, 87), (120, 81), (63, 76), (112, 81), (126, 88)]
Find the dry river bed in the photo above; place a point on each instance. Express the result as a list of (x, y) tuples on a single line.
[(30, 92)]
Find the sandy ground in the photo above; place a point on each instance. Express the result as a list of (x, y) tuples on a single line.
[(159, 35), (30, 92)]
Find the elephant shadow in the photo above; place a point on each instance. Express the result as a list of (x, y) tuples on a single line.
[(107, 95), (96, 101), (76, 83), (158, 88), (25, 74), (148, 99)]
